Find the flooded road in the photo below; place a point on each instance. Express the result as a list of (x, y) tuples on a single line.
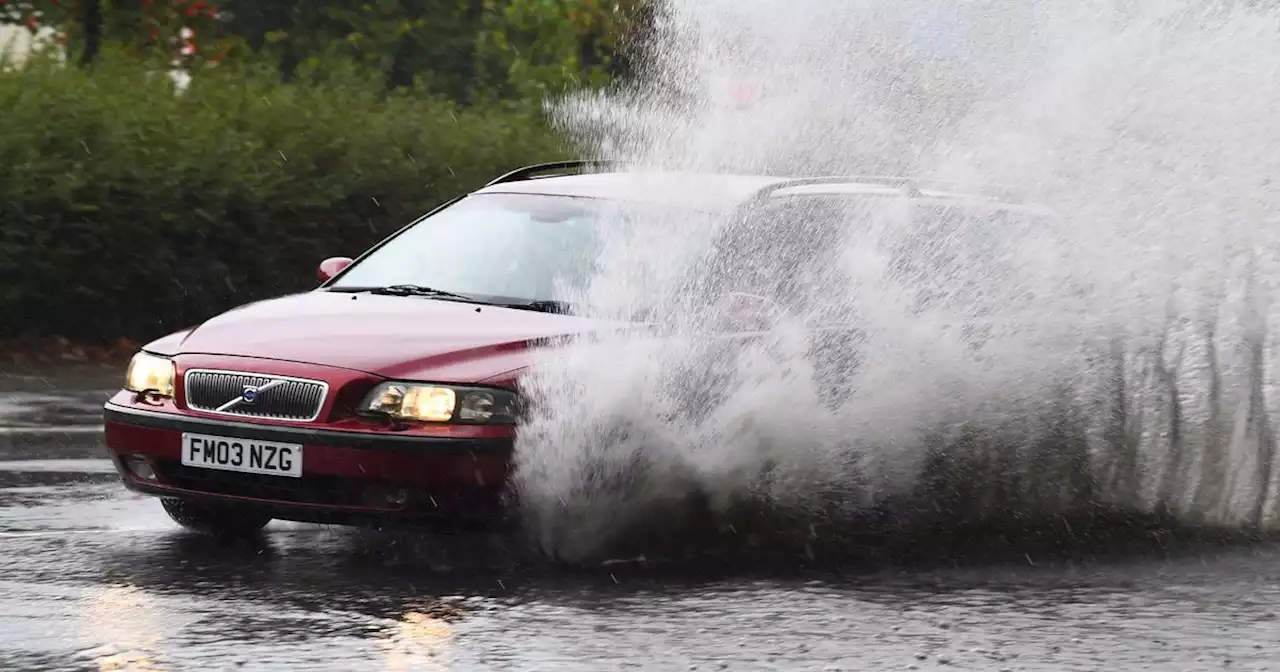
[(95, 578)]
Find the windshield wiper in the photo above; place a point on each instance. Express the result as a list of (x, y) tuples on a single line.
[(404, 290), (557, 307)]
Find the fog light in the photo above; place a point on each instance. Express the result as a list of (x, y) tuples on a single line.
[(139, 467)]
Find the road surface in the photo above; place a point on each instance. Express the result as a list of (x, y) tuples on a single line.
[(95, 578)]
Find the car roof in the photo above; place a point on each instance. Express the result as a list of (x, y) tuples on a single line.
[(718, 192), (703, 191)]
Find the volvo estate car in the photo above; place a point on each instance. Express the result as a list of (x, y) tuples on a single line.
[(391, 391)]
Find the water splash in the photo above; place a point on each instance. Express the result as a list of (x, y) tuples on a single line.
[(1116, 354)]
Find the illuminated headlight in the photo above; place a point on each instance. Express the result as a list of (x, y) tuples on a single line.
[(151, 374), (440, 403)]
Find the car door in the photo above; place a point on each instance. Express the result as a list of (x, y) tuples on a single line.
[(781, 260)]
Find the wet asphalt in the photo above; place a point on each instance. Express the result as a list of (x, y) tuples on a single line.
[(95, 578)]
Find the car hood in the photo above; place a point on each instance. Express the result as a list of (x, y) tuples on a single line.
[(412, 338)]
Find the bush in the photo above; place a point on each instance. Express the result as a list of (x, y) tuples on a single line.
[(130, 209)]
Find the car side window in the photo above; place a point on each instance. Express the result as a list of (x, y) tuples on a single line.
[(777, 250), (963, 256)]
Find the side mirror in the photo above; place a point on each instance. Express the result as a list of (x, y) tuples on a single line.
[(331, 267)]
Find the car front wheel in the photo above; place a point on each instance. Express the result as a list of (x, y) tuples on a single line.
[(215, 517)]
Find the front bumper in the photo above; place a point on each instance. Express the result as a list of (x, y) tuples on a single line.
[(347, 476)]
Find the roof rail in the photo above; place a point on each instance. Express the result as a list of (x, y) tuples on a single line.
[(532, 172), (911, 187)]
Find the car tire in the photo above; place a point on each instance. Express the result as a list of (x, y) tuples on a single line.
[(215, 518)]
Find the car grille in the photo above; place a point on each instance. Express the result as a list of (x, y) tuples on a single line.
[(275, 397)]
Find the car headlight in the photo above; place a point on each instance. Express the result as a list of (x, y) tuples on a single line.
[(149, 373), (442, 403)]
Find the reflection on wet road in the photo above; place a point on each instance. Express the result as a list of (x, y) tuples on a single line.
[(94, 578)]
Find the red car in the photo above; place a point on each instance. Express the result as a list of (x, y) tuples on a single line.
[(390, 391)]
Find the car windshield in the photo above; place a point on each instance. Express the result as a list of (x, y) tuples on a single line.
[(499, 248)]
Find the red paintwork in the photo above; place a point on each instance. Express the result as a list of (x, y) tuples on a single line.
[(439, 474), (353, 342), (392, 468), (331, 267), (410, 338)]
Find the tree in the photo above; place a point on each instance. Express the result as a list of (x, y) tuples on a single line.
[(151, 29), (470, 50)]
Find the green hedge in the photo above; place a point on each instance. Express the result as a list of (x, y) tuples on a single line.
[(127, 209)]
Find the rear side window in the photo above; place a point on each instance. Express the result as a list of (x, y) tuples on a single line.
[(799, 249), (968, 256)]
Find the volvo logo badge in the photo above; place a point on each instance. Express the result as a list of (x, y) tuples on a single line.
[(250, 394)]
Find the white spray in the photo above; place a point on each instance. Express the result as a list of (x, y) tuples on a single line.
[(1127, 355)]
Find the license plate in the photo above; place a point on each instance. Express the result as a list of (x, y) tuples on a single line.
[(250, 456)]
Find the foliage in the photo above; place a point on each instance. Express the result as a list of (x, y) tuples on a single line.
[(475, 51), (151, 29), (471, 50), (549, 47), (128, 209)]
